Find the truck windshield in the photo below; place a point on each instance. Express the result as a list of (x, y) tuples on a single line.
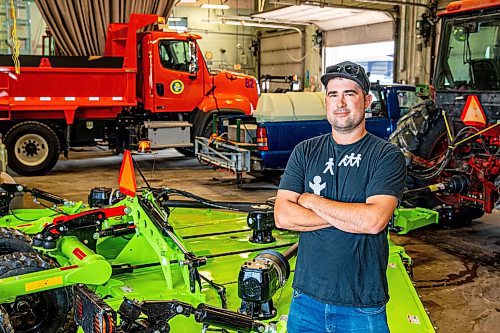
[(470, 58), (174, 54)]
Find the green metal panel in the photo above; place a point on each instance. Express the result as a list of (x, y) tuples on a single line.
[(408, 219)]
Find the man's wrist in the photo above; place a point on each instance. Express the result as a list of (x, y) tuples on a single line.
[(307, 200)]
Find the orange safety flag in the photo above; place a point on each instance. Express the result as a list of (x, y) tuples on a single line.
[(473, 114), (126, 180)]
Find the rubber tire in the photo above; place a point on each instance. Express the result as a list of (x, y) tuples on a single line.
[(12, 240), (44, 132), (5, 324), (54, 304), (419, 132)]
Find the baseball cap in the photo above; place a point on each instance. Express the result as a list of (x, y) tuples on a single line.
[(347, 70)]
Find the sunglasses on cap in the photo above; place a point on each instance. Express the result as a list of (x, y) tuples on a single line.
[(352, 70)]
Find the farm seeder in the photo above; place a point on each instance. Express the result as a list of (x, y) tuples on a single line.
[(136, 260)]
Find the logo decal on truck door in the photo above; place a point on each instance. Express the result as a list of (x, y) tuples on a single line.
[(176, 86)]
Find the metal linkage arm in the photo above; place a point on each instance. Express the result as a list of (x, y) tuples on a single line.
[(158, 313)]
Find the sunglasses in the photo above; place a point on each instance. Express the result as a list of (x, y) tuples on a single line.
[(352, 70)]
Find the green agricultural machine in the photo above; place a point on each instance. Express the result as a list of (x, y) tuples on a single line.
[(148, 263)]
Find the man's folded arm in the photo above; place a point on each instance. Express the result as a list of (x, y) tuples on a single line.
[(370, 217), (288, 214)]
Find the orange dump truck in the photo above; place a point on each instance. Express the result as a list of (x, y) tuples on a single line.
[(151, 85)]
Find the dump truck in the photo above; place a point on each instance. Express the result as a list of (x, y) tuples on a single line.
[(151, 85), (457, 133)]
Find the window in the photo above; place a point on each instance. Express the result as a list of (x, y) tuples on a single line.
[(376, 58), (470, 58), (174, 54), (407, 99)]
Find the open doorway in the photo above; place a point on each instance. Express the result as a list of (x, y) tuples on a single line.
[(376, 58)]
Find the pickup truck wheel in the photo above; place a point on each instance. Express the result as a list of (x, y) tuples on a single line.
[(12, 240), (39, 312), (32, 148)]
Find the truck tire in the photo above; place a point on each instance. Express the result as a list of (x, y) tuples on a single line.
[(39, 312), (5, 324), (32, 148), (12, 240)]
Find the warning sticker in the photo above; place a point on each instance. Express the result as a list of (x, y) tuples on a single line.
[(413, 319), (127, 289), (50, 282)]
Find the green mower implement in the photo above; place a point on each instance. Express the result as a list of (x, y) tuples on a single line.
[(148, 263)]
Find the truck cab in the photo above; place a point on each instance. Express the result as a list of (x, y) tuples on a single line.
[(173, 77)]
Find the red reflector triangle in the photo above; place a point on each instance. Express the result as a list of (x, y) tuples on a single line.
[(473, 114), (126, 180)]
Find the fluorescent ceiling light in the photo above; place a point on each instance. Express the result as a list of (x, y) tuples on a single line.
[(174, 19), (214, 6)]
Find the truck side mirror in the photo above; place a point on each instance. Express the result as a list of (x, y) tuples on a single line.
[(193, 59)]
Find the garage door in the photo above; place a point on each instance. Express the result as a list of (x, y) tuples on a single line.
[(373, 33), (281, 53)]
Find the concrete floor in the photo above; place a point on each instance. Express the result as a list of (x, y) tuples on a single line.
[(456, 271)]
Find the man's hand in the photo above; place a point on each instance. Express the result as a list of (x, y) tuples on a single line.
[(308, 200)]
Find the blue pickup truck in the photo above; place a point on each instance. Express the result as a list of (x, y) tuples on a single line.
[(263, 143)]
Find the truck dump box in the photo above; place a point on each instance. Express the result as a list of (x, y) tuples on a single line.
[(65, 87)]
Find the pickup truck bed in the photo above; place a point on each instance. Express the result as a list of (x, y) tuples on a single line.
[(269, 143)]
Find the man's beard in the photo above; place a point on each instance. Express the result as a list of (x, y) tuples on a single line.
[(344, 124)]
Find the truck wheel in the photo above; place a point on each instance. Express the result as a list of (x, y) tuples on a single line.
[(32, 148), (5, 324), (12, 240), (39, 312)]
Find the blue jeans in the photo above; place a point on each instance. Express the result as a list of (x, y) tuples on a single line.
[(309, 315)]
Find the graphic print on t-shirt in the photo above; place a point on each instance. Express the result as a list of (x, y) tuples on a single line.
[(350, 160), (329, 166), (316, 185)]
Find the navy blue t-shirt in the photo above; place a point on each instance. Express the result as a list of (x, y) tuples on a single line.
[(334, 266)]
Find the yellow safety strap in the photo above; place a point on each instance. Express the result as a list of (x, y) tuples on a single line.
[(15, 40), (474, 135)]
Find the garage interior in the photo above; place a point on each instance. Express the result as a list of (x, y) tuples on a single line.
[(281, 46)]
